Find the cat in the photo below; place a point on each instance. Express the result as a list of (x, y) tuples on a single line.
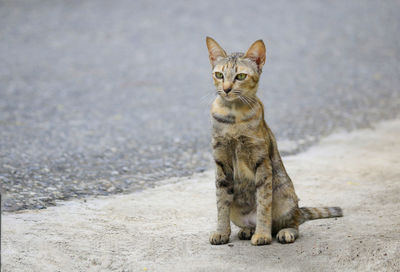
[(253, 189)]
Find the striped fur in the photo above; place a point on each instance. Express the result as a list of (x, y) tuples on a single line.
[(311, 213), (253, 188)]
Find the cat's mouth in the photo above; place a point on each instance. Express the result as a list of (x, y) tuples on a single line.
[(231, 96)]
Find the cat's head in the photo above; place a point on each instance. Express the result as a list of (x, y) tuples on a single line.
[(236, 75)]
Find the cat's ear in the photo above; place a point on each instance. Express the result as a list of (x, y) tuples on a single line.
[(256, 53), (214, 50)]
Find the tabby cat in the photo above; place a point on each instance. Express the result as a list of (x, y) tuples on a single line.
[(252, 187)]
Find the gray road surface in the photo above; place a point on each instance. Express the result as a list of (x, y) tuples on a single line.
[(101, 97)]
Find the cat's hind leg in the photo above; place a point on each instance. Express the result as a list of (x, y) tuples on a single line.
[(245, 233), (287, 235)]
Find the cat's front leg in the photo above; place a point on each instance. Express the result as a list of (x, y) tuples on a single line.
[(263, 181), (224, 186)]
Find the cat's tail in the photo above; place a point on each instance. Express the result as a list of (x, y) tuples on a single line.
[(310, 213)]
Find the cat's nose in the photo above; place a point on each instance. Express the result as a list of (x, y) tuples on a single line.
[(227, 90)]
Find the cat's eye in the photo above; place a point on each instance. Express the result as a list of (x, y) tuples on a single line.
[(219, 75), (241, 76)]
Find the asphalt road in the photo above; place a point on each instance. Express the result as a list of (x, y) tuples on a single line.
[(102, 97)]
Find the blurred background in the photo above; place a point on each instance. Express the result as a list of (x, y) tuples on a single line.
[(103, 97)]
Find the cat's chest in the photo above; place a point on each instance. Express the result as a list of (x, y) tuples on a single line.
[(229, 131), (232, 124)]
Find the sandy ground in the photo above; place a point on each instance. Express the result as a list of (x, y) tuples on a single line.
[(167, 228)]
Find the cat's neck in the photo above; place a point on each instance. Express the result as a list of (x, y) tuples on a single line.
[(239, 111), (244, 104)]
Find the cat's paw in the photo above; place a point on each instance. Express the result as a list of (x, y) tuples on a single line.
[(285, 236), (245, 234), (259, 239), (218, 238)]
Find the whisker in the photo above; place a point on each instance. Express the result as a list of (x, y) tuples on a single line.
[(252, 99), (244, 100), (206, 96), (207, 101), (249, 103), (241, 99)]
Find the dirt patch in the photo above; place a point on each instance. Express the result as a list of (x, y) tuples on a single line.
[(167, 228)]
